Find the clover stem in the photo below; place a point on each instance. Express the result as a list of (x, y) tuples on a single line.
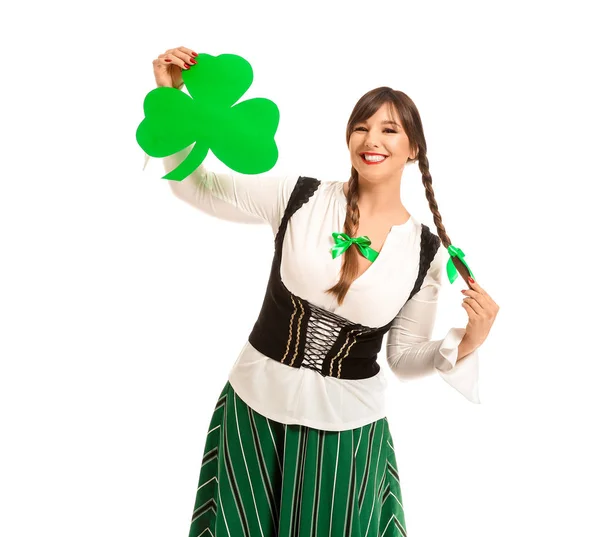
[(195, 157)]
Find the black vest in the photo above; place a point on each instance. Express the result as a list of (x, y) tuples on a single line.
[(297, 333)]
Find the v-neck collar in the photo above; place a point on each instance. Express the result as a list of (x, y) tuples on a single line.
[(397, 228)]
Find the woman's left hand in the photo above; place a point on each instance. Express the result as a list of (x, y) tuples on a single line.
[(482, 311)]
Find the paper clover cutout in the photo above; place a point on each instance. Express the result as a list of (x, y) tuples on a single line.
[(240, 135)]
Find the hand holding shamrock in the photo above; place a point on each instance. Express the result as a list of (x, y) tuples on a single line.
[(168, 66), (482, 311)]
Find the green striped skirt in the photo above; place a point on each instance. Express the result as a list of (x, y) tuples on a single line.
[(262, 478)]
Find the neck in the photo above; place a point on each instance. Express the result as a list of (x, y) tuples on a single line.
[(379, 199)]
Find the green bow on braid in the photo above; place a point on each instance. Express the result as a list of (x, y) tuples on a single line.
[(451, 268), (343, 242)]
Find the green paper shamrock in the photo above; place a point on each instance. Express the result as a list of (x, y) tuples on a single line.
[(240, 135)]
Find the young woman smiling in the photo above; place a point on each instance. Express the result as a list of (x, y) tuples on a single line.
[(299, 443)]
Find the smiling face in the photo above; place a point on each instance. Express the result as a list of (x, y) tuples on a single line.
[(379, 146)]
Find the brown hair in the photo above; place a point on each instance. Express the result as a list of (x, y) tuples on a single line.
[(367, 105)]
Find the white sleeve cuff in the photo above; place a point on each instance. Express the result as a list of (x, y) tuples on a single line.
[(463, 376)]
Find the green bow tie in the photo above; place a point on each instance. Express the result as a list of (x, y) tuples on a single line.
[(343, 242), (450, 268)]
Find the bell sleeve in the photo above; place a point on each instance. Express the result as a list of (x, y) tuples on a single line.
[(411, 353)]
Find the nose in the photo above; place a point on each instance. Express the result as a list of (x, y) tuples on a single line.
[(371, 140)]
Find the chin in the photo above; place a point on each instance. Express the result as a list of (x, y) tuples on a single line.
[(373, 171), (376, 177)]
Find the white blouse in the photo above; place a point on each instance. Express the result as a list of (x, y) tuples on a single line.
[(301, 395)]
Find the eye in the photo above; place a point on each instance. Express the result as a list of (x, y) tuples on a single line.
[(360, 129), (390, 130)]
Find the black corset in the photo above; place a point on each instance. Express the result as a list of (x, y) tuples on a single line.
[(300, 334)]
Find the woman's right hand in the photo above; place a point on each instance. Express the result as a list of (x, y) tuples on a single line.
[(168, 66)]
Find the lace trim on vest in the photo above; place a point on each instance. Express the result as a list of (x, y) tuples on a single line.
[(304, 188), (429, 246)]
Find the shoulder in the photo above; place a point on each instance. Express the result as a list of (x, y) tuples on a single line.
[(302, 188)]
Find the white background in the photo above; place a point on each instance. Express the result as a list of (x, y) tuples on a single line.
[(123, 309)]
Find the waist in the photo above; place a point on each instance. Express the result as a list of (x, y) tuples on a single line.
[(342, 352), (301, 396)]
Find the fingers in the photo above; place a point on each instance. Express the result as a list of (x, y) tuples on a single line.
[(488, 299), (190, 53), (186, 54), (474, 304), (478, 296), (182, 57), (168, 67), (168, 59), (480, 304), (475, 286), (470, 311)]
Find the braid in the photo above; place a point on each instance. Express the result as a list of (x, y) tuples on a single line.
[(349, 268), (437, 219), (430, 195), (352, 210)]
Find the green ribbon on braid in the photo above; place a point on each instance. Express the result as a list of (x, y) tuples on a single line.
[(343, 242), (451, 270)]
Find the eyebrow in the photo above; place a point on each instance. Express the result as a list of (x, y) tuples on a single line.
[(386, 122)]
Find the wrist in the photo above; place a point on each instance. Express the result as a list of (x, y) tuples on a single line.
[(465, 347)]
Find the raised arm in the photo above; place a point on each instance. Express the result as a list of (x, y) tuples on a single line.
[(238, 198), (235, 197), (411, 353)]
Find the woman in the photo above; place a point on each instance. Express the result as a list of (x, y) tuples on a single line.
[(299, 443)]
